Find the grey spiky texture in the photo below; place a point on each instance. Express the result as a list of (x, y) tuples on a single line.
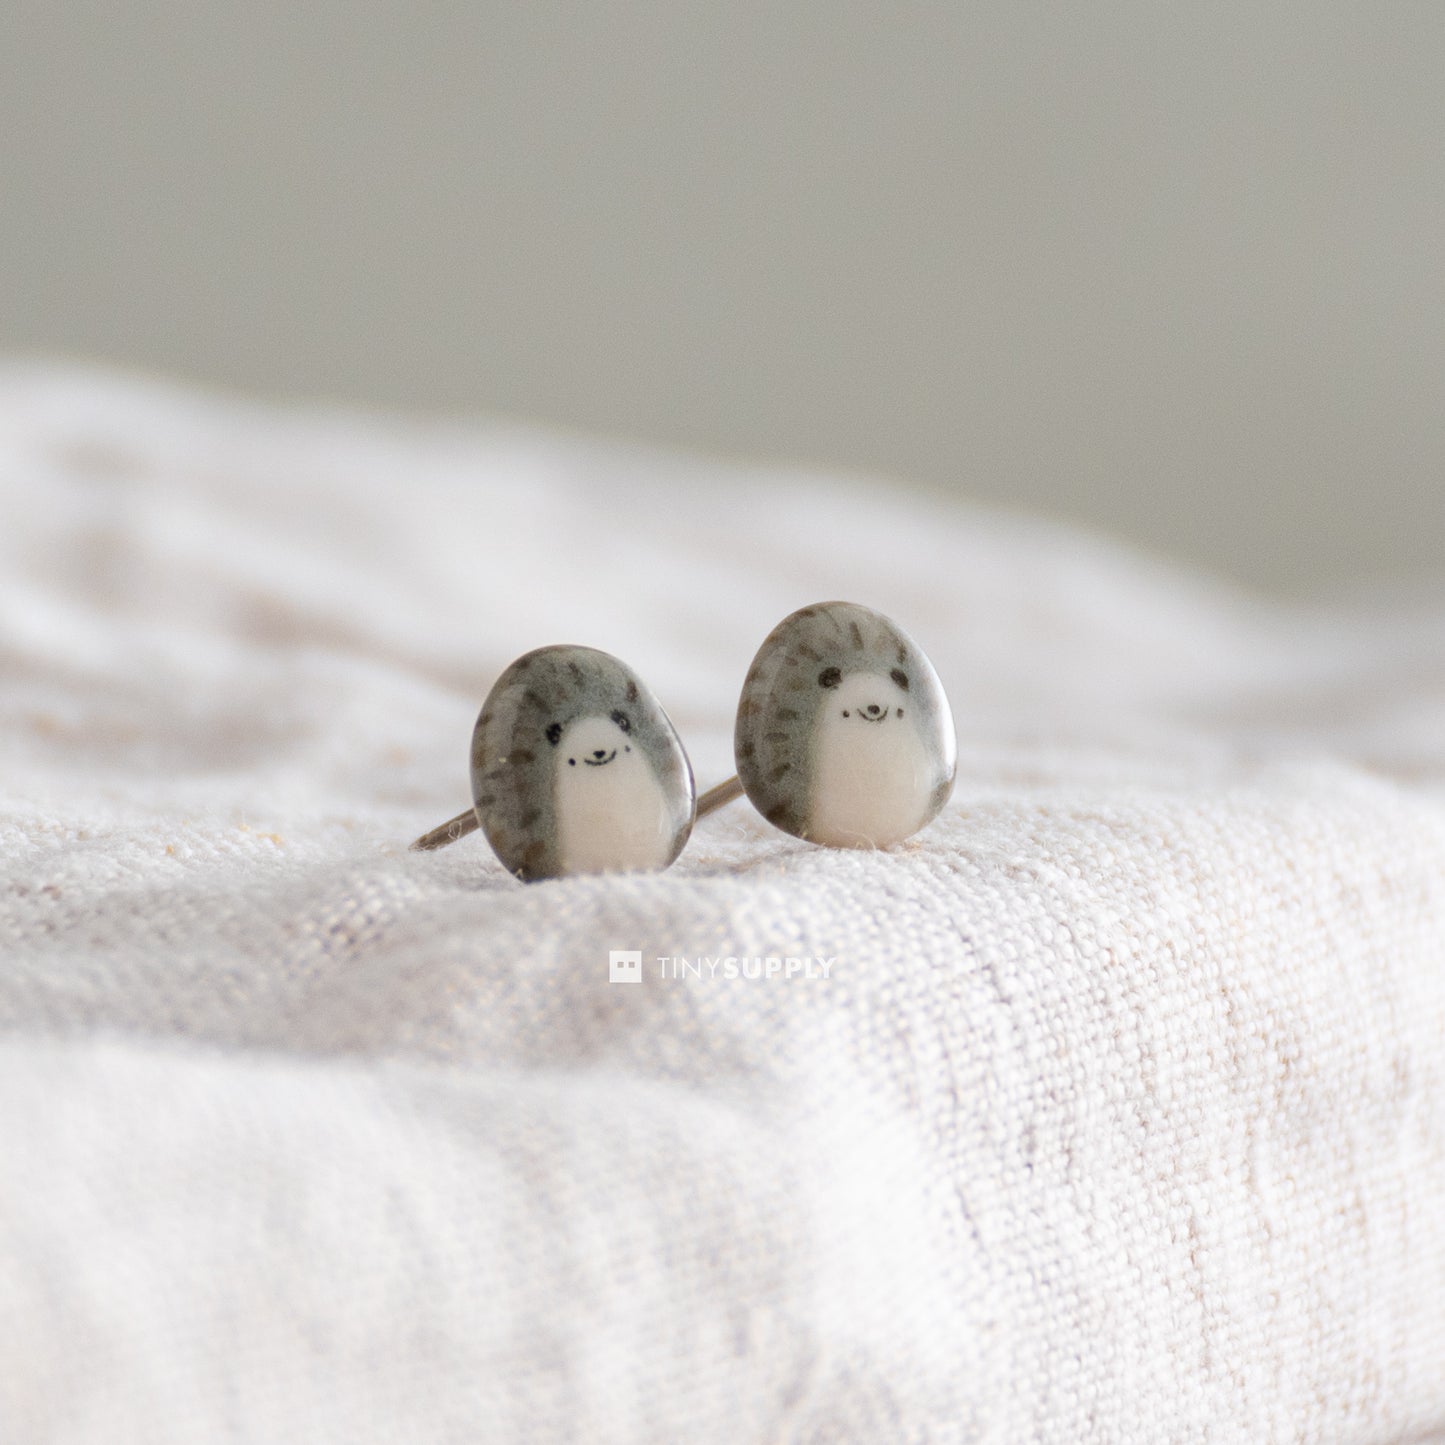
[(513, 761), (782, 699)]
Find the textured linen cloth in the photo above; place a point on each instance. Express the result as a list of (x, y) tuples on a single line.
[(1120, 1115)]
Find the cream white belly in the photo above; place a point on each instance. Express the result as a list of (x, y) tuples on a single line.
[(872, 782), (613, 818)]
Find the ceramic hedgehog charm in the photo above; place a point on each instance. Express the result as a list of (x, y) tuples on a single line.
[(844, 735), (577, 769)]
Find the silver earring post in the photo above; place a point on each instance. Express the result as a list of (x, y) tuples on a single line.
[(449, 832), (719, 797)]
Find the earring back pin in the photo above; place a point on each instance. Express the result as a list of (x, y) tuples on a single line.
[(451, 831)]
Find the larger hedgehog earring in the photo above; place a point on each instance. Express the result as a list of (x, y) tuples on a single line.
[(844, 735), (575, 769)]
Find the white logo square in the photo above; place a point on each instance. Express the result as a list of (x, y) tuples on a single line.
[(624, 966)]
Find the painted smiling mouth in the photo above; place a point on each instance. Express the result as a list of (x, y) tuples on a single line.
[(877, 717), (600, 762)]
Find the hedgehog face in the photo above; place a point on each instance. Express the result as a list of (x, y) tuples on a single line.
[(591, 742), (865, 698)]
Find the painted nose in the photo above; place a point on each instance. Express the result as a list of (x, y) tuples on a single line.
[(600, 753), (873, 709)]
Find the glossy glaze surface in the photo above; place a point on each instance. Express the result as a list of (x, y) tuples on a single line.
[(844, 736), (576, 768)]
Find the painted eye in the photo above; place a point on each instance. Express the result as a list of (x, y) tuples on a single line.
[(554, 733), (900, 677), (622, 720), (829, 677)]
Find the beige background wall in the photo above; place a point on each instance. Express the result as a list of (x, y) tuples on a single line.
[(1179, 271)]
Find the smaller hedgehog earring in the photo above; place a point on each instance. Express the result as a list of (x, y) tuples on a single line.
[(844, 735), (575, 769)]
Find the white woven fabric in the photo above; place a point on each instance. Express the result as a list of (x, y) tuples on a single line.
[(1120, 1116)]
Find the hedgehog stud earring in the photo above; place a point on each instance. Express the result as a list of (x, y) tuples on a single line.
[(844, 735), (575, 769)]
